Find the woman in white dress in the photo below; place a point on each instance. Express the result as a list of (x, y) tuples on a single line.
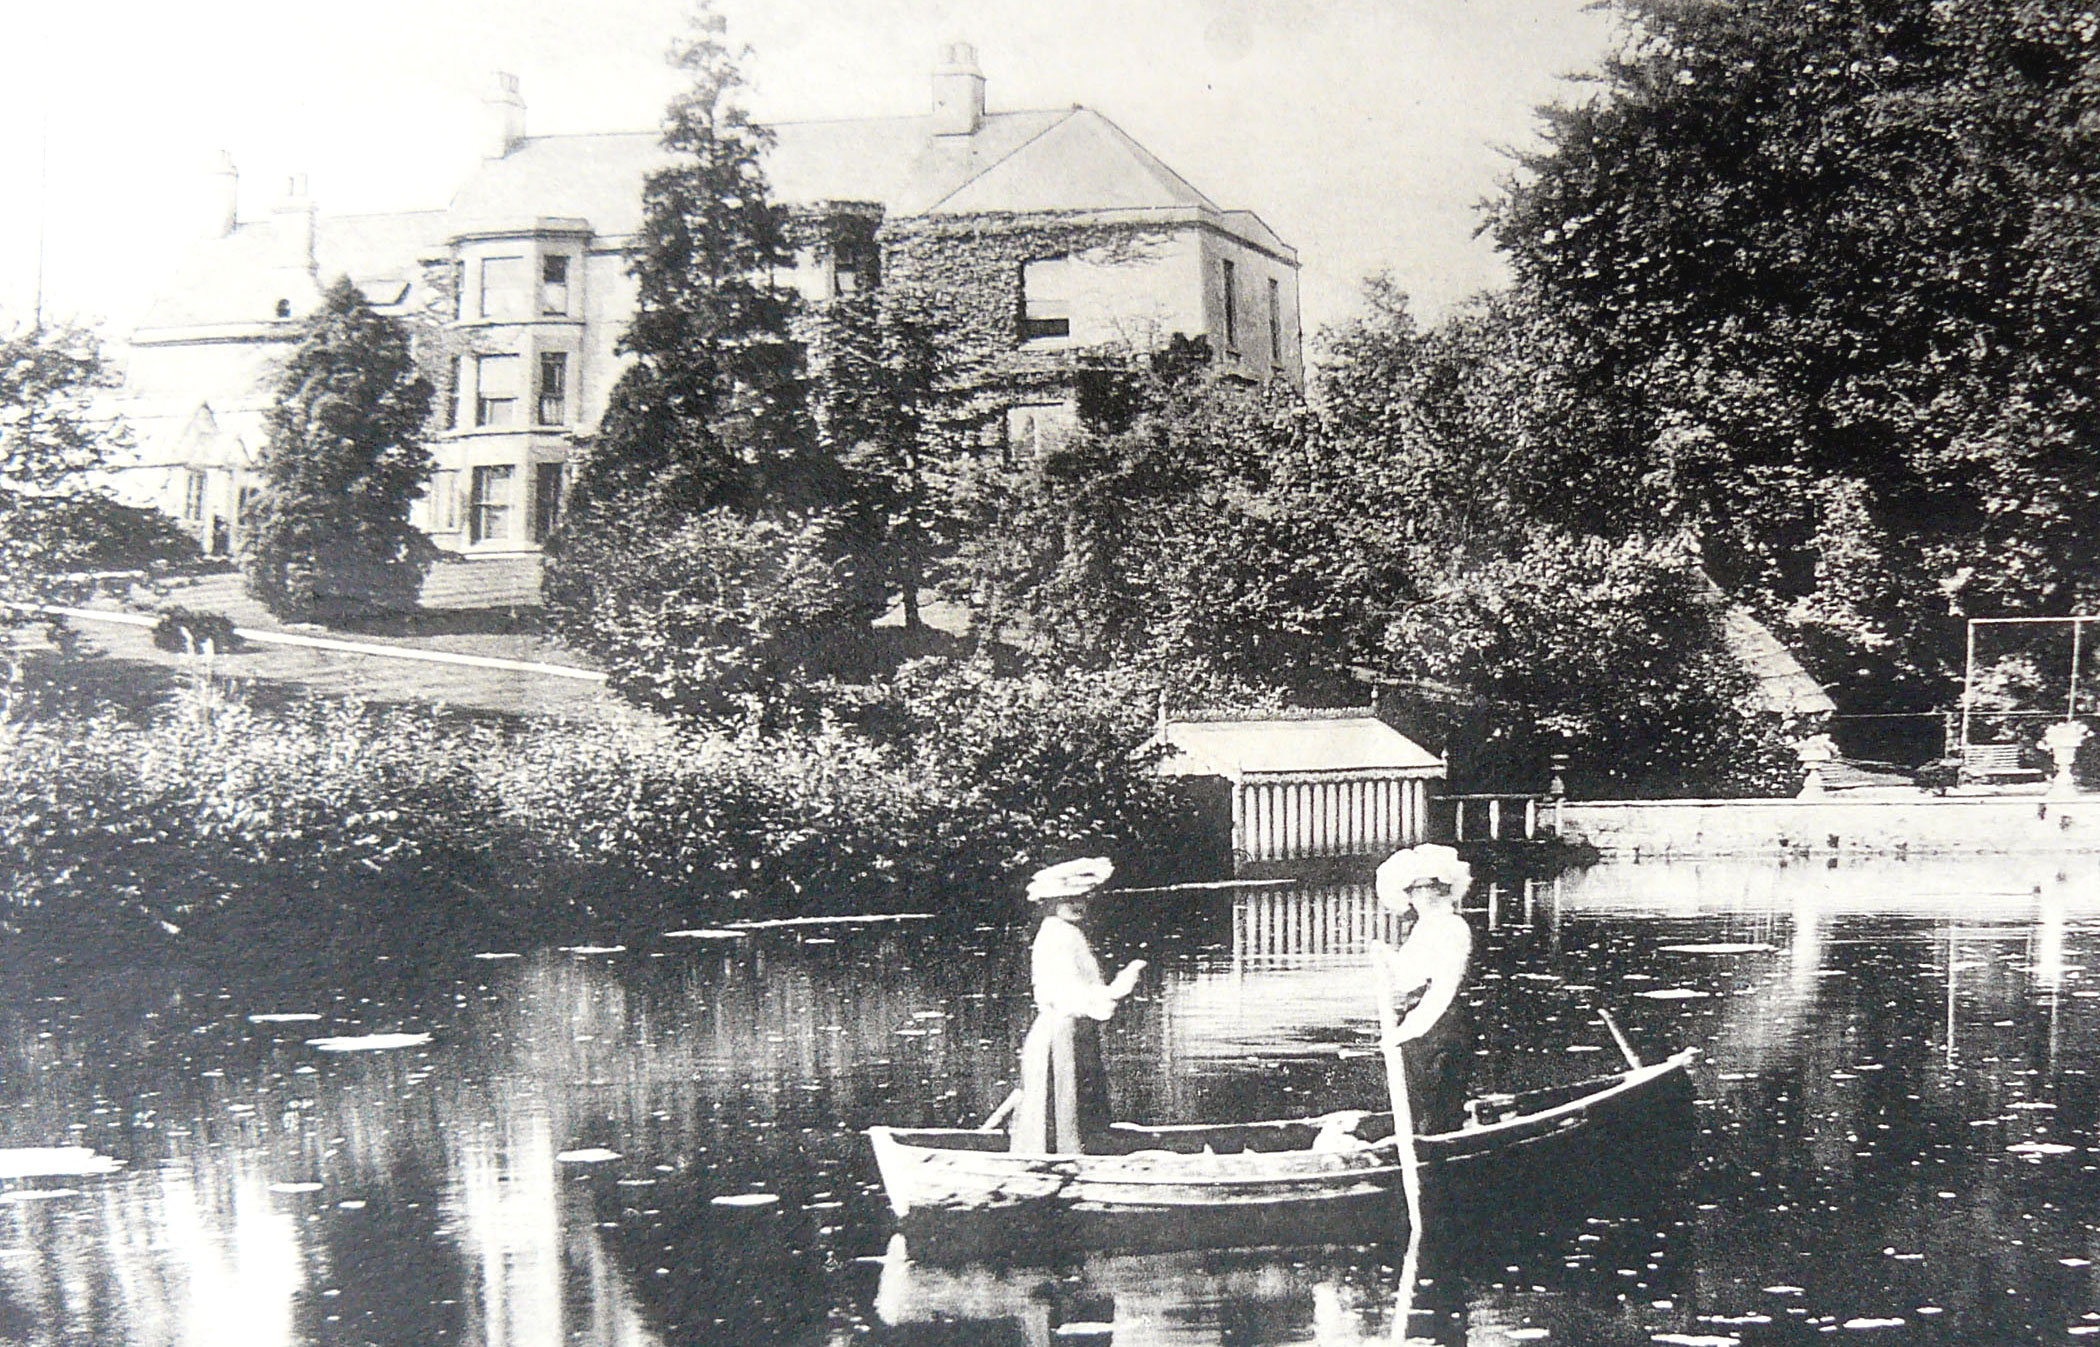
[(1434, 1034), (1064, 1105)]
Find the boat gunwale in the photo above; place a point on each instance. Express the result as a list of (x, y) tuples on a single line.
[(1460, 1145)]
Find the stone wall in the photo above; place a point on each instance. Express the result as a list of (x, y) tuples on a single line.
[(1834, 826)]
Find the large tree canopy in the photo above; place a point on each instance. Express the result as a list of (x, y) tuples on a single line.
[(703, 557), (1831, 268), (344, 462)]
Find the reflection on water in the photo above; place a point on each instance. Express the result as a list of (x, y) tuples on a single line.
[(663, 1144)]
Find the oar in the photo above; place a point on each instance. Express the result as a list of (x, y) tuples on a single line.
[(1633, 1060), (1404, 1301), (1403, 1113), (991, 1124)]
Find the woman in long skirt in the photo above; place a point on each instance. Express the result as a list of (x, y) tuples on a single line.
[(1433, 1034), (1064, 1106)]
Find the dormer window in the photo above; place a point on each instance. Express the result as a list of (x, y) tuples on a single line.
[(1046, 298), (284, 308)]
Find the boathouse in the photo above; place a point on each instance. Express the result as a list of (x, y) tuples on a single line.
[(1308, 783)]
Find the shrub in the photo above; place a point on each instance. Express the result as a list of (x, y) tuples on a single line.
[(215, 807), (186, 630)]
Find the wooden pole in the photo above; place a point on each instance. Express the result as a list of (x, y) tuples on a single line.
[(1633, 1060), (1403, 1112), (991, 1124), (1968, 691), (2077, 633)]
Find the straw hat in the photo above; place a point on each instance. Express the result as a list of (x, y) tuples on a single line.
[(1070, 879), (1430, 863)]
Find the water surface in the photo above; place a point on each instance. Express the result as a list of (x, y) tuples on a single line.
[(661, 1142)]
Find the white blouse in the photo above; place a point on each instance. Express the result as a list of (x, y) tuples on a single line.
[(1067, 980)]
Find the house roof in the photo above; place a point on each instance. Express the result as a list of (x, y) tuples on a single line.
[(1238, 749), (236, 278), (1066, 159), (1058, 160), (1082, 161)]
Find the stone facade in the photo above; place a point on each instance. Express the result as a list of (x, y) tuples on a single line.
[(1057, 240)]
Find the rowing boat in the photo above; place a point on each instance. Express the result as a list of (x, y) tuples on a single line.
[(1331, 1179)]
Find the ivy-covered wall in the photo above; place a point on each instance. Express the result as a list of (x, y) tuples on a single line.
[(961, 275)]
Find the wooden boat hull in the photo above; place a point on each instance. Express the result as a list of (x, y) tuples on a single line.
[(961, 1194)]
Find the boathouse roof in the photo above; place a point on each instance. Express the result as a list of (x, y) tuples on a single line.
[(1346, 744)]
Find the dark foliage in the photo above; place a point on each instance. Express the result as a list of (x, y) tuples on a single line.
[(330, 536)]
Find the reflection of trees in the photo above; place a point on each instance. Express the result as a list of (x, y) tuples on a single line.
[(1912, 1031), (740, 1072), (712, 1074)]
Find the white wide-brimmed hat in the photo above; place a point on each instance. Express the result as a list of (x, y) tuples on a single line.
[(1070, 879), (1429, 863)]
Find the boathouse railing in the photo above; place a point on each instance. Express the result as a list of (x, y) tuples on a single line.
[(1504, 817), (1292, 816)]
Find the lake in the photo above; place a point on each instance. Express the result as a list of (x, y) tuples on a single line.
[(661, 1142)]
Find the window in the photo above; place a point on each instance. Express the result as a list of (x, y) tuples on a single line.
[(452, 390), (503, 287), (845, 279), (1046, 298), (1275, 323), (495, 390), (1232, 310), (546, 500), (284, 308), (554, 284), (488, 508), (442, 501), (554, 387), (193, 497), (1034, 429), (459, 290)]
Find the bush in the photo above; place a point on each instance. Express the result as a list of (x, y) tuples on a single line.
[(215, 808), (327, 813), (719, 620), (185, 630)]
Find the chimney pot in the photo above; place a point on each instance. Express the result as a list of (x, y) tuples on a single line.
[(294, 224), (958, 91), (503, 116)]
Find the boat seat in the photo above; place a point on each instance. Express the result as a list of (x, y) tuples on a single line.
[(1487, 1109)]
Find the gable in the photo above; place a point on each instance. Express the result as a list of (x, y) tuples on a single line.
[(1085, 162)]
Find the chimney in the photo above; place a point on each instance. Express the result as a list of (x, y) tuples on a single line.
[(294, 223), (502, 117), (219, 197), (958, 91)]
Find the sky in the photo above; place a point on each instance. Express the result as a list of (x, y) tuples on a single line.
[(1365, 132)]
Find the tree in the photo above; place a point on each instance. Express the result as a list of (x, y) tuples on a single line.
[(330, 537), (1827, 265), (707, 435), (712, 411), (1610, 651), (727, 619), (874, 400), (53, 521)]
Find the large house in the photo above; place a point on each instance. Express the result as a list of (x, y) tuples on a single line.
[(1054, 240)]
